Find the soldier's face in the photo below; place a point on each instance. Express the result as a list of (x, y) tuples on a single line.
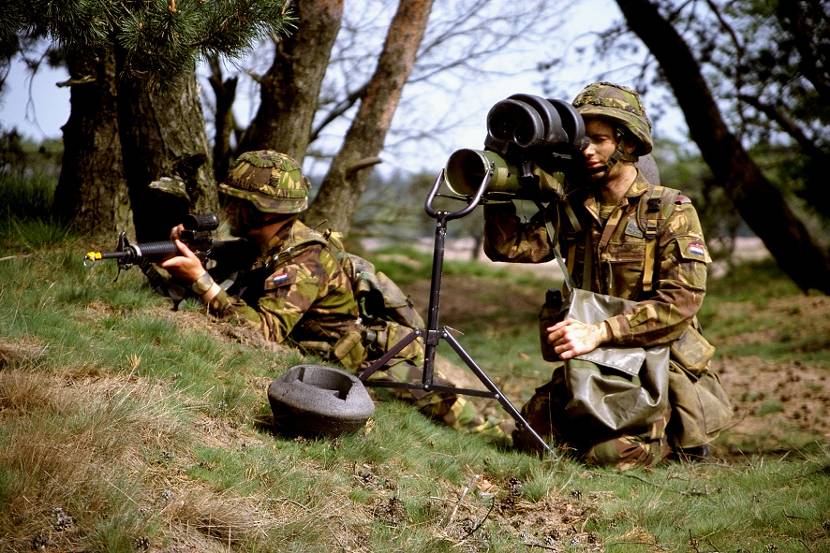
[(602, 144), (238, 213)]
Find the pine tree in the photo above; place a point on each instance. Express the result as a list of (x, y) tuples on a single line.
[(155, 45)]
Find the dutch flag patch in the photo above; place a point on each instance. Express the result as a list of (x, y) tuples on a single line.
[(696, 248)]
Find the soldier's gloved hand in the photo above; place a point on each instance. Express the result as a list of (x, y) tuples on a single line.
[(186, 267), (571, 337)]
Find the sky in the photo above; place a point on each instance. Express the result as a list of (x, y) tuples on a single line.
[(48, 109)]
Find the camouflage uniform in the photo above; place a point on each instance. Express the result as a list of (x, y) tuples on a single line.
[(298, 291), (665, 275)]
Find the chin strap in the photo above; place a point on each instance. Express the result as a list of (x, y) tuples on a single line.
[(615, 158), (620, 154)]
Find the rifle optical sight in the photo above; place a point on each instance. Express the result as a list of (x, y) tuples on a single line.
[(201, 222)]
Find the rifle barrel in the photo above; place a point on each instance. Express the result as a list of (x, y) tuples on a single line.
[(135, 251), (130, 253)]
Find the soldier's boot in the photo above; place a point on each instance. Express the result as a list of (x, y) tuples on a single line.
[(633, 450), (627, 452), (692, 454), (465, 416), (537, 412)]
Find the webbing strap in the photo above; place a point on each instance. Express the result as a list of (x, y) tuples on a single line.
[(650, 234), (572, 218), (588, 262), (571, 257), (610, 227), (648, 262), (552, 239)]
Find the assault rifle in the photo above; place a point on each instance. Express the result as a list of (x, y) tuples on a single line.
[(197, 235)]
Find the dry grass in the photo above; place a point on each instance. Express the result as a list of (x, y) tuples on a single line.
[(75, 446)]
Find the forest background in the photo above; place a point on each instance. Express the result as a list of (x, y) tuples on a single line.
[(126, 427)]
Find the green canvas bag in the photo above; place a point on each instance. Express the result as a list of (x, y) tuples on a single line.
[(612, 389)]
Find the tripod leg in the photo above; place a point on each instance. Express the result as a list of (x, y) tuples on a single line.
[(393, 351), (490, 385)]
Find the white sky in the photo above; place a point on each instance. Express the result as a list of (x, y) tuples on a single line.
[(49, 107)]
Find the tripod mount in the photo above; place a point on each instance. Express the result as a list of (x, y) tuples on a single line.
[(434, 333)]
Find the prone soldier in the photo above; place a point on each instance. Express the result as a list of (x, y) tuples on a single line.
[(297, 286)]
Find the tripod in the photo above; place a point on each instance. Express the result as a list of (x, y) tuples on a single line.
[(433, 333)]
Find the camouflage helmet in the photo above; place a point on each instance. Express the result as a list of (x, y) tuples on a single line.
[(171, 187), (622, 105), (272, 181)]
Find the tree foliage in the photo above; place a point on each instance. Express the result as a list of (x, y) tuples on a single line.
[(750, 86), (136, 114), (457, 53), (769, 64), (162, 38)]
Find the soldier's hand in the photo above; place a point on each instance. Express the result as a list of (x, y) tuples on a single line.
[(571, 337), (185, 267)]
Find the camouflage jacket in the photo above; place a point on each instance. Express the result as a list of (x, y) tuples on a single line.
[(297, 290), (610, 258)]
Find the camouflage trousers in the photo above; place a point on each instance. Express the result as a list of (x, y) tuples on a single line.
[(545, 413)]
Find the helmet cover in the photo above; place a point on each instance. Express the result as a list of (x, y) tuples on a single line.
[(620, 104), (273, 182)]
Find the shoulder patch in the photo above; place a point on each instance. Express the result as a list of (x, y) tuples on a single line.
[(692, 248), (681, 199), (279, 278)]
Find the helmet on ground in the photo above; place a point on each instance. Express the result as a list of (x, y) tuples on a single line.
[(620, 104), (272, 181)]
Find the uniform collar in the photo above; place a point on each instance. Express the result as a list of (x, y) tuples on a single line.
[(635, 190), (638, 187), (282, 236)]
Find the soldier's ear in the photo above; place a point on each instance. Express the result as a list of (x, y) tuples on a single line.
[(626, 141)]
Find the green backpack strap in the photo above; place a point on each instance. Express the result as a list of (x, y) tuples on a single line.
[(378, 297), (298, 242), (651, 216)]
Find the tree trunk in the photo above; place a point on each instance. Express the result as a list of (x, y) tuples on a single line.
[(290, 88), (91, 195), (345, 180), (225, 92), (761, 204), (163, 135)]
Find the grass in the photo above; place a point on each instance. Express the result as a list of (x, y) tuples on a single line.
[(756, 310), (141, 429)]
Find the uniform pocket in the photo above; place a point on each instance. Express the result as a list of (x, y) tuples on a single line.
[(634, 250), (692, 351), (625, 264)]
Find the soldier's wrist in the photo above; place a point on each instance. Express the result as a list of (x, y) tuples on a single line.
[(604, 332), (212, 292), (203, 284)]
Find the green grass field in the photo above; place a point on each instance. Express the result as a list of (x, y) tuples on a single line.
[(125, 426)]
